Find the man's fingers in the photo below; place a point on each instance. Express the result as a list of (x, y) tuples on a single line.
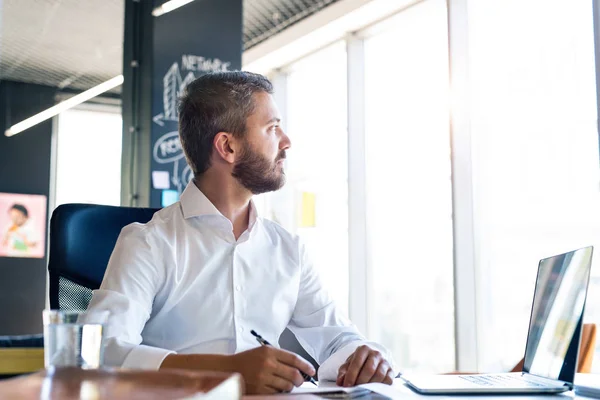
[(289, 374), (360, 356), (341, 373), (279, 384), (254, 389), (368, 369), (389, 377), (294, 360), (381, 372)]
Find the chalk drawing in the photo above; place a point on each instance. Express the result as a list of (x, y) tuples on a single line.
[(167, 149), (174, 83)]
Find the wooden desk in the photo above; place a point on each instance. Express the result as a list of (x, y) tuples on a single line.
[(74, 383)]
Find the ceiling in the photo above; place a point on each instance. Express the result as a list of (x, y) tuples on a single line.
[(77, 44)]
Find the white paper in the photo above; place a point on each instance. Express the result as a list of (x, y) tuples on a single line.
[(160, 179), (326, 387), (393, 392), (397, 391)]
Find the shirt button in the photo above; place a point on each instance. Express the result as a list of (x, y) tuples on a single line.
[(241, 329), (238, 288)]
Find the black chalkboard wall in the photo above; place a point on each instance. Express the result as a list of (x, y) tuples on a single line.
[(24, 168), (203, 36)]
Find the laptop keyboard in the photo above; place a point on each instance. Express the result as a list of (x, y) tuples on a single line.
[(501, 380)]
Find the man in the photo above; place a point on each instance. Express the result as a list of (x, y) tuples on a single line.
[(186, 289), (20, 236)]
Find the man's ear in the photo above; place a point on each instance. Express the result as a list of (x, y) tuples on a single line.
[(225, 147)]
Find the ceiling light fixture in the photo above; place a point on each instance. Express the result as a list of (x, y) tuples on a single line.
[(169, 6), (64, 105)]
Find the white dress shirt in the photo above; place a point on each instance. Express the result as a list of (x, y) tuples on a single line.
[(182, 284)]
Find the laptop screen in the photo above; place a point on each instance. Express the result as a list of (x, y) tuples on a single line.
[(557, 315)]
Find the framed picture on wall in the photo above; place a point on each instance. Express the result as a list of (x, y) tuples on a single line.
[(22, 225)]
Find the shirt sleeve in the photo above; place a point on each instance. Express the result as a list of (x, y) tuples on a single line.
[(131, 281), (321, 328)]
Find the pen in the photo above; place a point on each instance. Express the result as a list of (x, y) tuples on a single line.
[(263, 342)]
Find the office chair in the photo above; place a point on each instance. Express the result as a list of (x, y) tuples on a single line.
[(82, 238), (588, 346)]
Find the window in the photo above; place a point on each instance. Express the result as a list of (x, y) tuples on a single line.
[(526, 94), (314, 202), (88, 157), (409, 196), (535, 158)]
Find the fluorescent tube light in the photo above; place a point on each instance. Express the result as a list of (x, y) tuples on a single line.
[(169, 6), (64, 105)]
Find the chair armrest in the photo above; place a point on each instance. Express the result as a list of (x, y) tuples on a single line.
[(15, 361), (22, 341), (21, 354)]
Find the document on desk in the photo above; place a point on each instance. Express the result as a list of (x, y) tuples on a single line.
[(587, 385), (331, 391)]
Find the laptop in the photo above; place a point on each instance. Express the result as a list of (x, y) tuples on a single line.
[(553, 340)]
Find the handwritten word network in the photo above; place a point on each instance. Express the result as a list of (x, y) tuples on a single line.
[(197, 63)]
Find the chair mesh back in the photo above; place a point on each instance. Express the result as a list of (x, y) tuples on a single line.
[(71, 296)]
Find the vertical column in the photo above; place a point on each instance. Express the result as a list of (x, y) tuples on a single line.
[(357, 201), (465, 297), (596, 5), (136, 99)]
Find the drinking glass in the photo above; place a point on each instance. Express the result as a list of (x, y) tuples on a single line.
[(74, 338)]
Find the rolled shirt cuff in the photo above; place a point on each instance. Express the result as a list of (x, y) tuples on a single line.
[(146, 357)]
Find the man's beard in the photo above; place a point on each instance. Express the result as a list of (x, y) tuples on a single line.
[(256, 173)]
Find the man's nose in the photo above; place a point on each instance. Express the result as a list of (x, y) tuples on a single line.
[(285, 142)]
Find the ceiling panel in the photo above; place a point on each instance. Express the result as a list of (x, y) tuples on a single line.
[(264, 18), (77, 44), (73, 44)]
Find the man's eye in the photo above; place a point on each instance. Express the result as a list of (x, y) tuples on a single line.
[(274, 127)]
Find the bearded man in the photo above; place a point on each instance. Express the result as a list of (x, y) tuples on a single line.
[(186, 289)]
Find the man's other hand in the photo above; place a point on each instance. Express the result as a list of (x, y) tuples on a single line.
[(365, 365), (269, 370)]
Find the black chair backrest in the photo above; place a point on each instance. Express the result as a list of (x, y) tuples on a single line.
[(82, 238)]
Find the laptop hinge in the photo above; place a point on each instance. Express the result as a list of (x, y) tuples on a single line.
[(548, 380)]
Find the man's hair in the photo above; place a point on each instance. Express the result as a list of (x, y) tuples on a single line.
[(21, 208), (213, 103)]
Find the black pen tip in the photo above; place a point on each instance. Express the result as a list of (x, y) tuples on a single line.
[(252, 331)]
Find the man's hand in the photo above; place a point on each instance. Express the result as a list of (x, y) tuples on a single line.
[(363, 366), (269, 370)]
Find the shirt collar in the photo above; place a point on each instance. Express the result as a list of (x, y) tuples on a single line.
[(195, 204)]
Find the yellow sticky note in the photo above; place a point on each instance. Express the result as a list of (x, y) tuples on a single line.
[(307, 210)]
